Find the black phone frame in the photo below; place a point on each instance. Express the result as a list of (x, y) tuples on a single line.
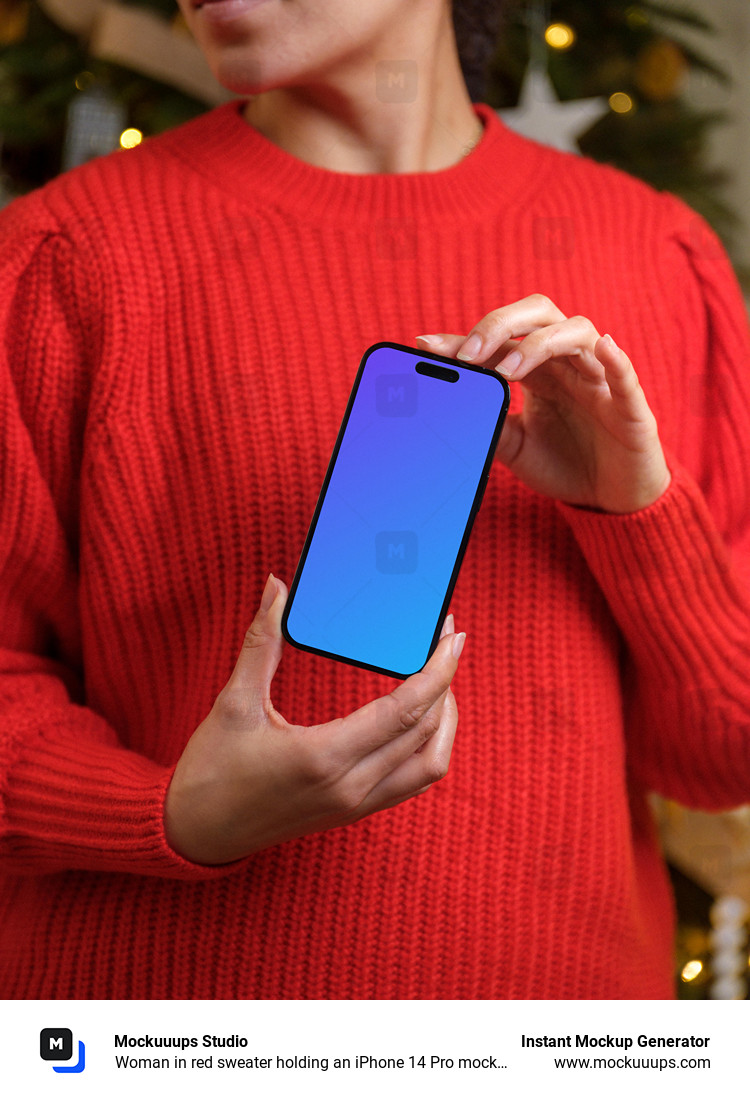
[(481, 486)]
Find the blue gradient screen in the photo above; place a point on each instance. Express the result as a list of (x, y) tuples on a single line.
[(381, 554)]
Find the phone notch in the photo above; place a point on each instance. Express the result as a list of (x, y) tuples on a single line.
[(435, 370)]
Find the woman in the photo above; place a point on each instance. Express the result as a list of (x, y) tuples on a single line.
[(183, 324)]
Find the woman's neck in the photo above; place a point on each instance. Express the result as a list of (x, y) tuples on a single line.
[(375, 116)]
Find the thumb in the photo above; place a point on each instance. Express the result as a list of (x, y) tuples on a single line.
[(262, 645)]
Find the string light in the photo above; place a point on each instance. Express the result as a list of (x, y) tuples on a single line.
[(691, 970), (636, 17), (84, 80), (559, 36), (130, 138), (621, 103)]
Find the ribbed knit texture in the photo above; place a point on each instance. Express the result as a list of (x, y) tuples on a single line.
[(182, 324)]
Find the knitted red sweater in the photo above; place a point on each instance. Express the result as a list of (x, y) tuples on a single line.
[(181, 327)]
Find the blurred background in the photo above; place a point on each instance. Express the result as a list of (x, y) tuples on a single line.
[(660, 90)]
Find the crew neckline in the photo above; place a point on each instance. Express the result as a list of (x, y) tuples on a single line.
[(223, 147)]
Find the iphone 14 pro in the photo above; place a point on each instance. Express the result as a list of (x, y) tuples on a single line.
[(393, 518)]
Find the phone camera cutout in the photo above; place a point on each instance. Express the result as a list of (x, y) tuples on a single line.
[(435, 370)]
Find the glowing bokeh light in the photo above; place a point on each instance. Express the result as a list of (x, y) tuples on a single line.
[(621, 102), (130, 138), (559, 36)]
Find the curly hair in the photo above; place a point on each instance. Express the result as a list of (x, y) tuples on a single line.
[(477, 24)]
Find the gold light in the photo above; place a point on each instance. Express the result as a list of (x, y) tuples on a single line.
[(621, 102), (84, 80), (559, 36), (130, 138), (691, 970), (636, 17)]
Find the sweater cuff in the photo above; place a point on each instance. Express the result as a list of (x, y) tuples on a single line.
[(76, 803), (666, 574)]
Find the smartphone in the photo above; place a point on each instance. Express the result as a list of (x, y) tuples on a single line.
[(393, 518)]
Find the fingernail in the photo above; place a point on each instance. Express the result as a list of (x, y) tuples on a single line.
[(435, 338), (458, 644), (269, 593), (448, 626), (612, 344), (510, 364), (471, 347)]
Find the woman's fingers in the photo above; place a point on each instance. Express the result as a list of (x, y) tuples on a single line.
[(448, 343), (383, 720), (496, 327), (515, 358), (388, 757), (444, 343), (622, 380), (574, 337), (586, 434), (417, 773), (516, 319)]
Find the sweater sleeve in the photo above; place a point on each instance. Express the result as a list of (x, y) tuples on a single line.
[(676, 575), (71, 795)]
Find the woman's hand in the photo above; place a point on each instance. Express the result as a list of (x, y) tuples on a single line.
[(585, 435), (248, 779)]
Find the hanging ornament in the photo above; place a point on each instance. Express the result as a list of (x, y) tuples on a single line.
[(540, 115), (714, 851), (728, 939), (95, 121), (660, 70)]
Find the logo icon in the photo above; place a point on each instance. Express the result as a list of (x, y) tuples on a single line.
[(554, 238), (395, 238), (396, 551), (396, 394), (396, 81), (56, 1045)]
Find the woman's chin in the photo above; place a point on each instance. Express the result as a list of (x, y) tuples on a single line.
[(241, 76)]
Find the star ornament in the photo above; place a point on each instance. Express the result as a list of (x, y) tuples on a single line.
[(541, 116)]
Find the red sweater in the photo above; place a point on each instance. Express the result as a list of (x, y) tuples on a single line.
[(182, 324)]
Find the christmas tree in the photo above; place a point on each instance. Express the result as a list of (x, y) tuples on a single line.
[(631, 55), (636, 57), (53, 54)]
